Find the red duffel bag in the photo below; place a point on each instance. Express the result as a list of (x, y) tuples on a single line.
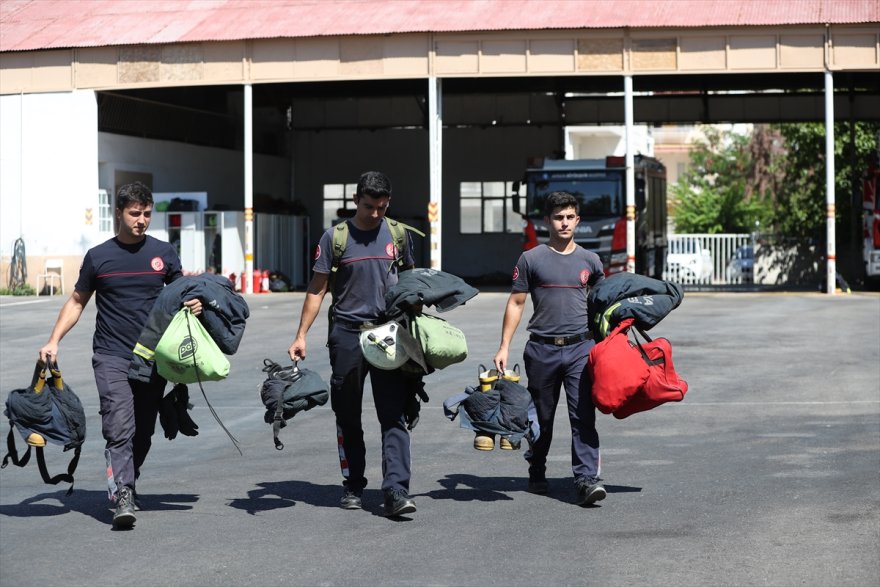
[(631, 376)]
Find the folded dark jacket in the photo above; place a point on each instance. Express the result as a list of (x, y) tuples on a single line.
[(426, 287), (629, 295)]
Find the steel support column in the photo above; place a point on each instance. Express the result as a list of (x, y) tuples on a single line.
[(248, 283), (831, 246), (630, 175), (435, 150)]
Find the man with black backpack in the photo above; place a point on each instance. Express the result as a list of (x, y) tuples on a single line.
[(128, 273), (358, 270)]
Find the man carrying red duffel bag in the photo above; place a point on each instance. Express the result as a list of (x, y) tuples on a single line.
[(629, 375)]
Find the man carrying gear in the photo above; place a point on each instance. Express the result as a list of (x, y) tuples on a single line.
[(367, 267), (559, 276), (128, 273)]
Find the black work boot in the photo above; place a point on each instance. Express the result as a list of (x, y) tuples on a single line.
[(537, 480), (123, 517), (398, 502), (351, 499), (589, 490)]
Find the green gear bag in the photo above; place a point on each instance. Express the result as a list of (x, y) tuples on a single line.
[(442, 343), (186, 353)]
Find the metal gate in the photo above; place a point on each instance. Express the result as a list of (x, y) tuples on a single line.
[(710, 259)]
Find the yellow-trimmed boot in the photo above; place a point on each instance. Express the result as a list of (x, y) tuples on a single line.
[(484, 441), (35, 439), (505, 444)]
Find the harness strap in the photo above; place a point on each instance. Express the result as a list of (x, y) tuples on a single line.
[(13, 453), (68, 477), (278, 421), (41, 462)]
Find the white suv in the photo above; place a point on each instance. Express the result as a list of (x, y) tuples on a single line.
[(687, 261)]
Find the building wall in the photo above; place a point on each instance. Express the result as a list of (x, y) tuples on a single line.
[(598, 142), (179, 167), (53, 161), (416, 55), (48, 179), (469, 154), (474, 154)]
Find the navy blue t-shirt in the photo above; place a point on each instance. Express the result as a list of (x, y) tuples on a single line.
[(559, 284), (366, 270), (127, 279)]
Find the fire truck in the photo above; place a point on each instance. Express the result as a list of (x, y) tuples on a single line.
[(600, 187)]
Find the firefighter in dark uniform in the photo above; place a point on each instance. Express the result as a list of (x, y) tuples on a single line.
[(558, 275), (127, 272), (366, 270)]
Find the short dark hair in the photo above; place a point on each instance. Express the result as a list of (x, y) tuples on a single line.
[(374, 184), (133, 193), (560, 200)]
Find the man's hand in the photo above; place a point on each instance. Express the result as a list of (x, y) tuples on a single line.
[(512, 315), (194, 305), (297, 350), (501, 360), (49, 351), (67, 318)]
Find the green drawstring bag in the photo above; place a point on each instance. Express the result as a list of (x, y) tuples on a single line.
[(186, 353), (442, 343)]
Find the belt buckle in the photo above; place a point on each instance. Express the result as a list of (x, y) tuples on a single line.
[(559, 341)]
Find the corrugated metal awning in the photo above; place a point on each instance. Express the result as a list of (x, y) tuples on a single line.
[(27, 25)]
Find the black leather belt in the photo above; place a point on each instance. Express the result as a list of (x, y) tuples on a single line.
[(561, 340), (354, 325)]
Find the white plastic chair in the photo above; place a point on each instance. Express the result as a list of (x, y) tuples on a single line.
[(53, 272)]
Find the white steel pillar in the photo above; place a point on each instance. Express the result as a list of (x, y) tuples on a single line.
[(435, 150), (248, 283), (630, 175), (831, 247)]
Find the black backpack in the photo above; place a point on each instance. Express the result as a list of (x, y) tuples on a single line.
[(47, 411), (287, 391)]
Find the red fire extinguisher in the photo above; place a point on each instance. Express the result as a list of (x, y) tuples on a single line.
[(264, 282), (258, 278)]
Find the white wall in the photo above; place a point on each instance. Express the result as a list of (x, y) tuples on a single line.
[(53, 161), (598, 142), (179, 167), (48, 173)]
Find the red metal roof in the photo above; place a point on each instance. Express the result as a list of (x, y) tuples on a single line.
[(53, 24)]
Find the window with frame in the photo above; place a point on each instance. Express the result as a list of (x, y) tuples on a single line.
[(338, 196), (487, 207), (105, 212)]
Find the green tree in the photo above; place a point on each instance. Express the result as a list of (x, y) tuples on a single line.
[(729, 185), (775, 175), (801, 198)]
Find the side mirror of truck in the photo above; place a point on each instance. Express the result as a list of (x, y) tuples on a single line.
[(516, 186)]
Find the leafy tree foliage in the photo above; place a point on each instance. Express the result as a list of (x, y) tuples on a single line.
[(726, 187), (801, 201), (773, 179)]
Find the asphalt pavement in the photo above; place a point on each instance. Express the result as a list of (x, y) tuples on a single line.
[(768, 473)]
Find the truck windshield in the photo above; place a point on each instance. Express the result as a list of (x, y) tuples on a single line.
[(599, 198)]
